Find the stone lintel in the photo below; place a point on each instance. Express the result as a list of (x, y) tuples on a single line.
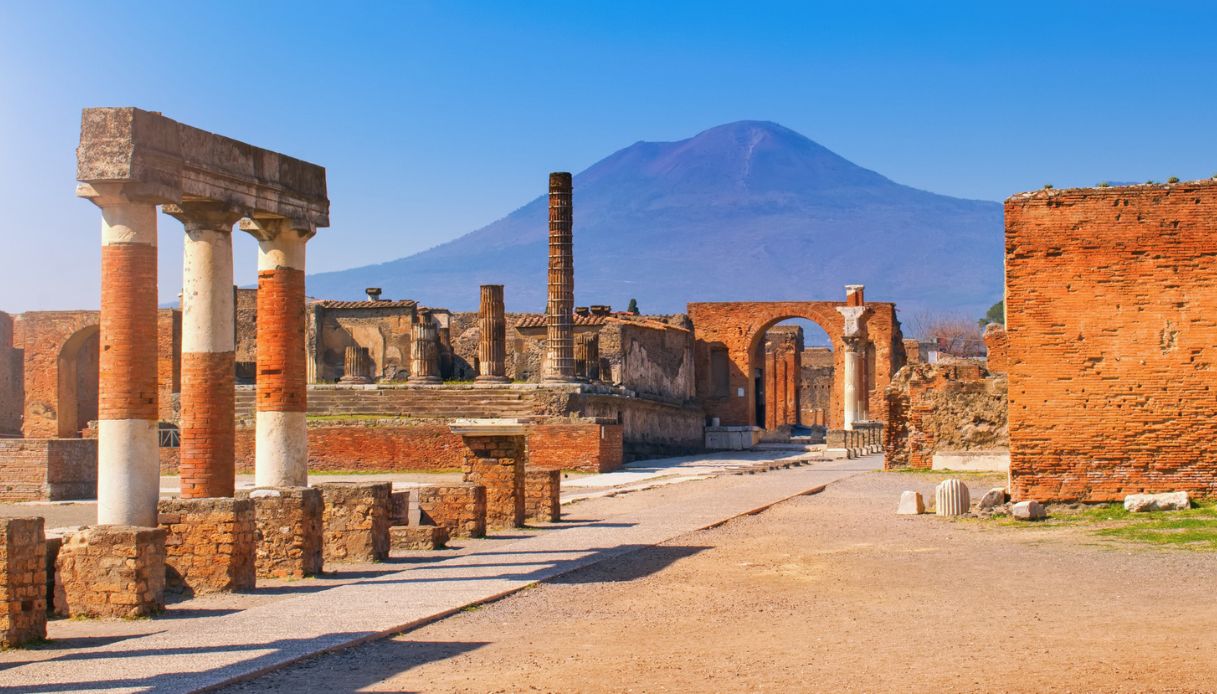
[(488, 427), (167, 162)]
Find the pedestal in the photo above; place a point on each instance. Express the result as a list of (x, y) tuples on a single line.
[(288, 521), (355, 522), (111, 571), (210, 544)]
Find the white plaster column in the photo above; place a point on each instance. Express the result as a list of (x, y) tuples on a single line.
[(281, 439), (128, 474), (854, 343)]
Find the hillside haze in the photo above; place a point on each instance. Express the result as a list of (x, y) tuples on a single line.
[(744, 211)]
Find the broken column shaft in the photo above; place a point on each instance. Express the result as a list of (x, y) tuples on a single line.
[(492, 345), (559, 311), (424, 355)]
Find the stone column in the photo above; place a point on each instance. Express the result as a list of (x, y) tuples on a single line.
[(587, 356), (854, 338), (281, 440), (559, 311), (128, 474), (424, 352), (492, 347), (208, 350), (356, 365)]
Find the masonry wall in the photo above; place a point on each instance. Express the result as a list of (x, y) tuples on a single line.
[(45, 336), (11, 380), (169, 363), (815, 386), (47, 469), (944, 408), (997, 346), (1111, 301)]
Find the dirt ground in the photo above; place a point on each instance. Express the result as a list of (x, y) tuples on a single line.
[(821, 593)]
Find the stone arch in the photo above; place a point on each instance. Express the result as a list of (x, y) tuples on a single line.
[(737, 328), (77, 375)]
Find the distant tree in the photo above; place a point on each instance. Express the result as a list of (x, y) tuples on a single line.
[(633, 308), (952, 334), (995, 314)]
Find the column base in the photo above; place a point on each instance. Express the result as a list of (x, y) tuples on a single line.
[(288, 521), (355, 521), (210, 545), (459, 508), (111, 571), (542, 495), (22, 581)]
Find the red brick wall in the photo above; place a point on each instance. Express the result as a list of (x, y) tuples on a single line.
[(168, 361), (47, 469), (128, 332), (44, 335), (1111, 295), (206, 462), (997, 346), (282, 377), (943, 407), (587, 446)]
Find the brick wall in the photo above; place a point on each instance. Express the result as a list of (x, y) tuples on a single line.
[(588, 447), (1110, 297), (497, 463), (168, 362), (997, 347), (45, 335), (944, 407), (11, 379), (459, 508), (22, 581), (209, 544), (48, 469)]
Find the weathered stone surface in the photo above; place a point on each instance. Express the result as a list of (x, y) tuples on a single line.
[(1028, 510), (946, 409), (22, 581), (458, 508), (951, 498), (111, 571), (356, 521), (911, 504), (497, 463), (1168, 501), (542, 492), (288, 523), (210, 544), (993, 498), (418, 537)]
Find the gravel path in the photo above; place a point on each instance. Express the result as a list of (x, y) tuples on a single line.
[(828, 592)]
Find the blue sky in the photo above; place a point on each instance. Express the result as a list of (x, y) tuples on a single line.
[(434, 119)]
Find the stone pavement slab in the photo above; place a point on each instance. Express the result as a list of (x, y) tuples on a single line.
[(192, 654)]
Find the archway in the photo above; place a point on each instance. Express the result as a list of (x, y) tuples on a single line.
[(782, 384), (76, 394)]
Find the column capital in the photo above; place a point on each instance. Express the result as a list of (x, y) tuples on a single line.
[(854, 343), (204, 215), (277, 228), (106, 194)]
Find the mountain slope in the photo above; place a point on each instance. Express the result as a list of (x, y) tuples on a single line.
[(744, 211)]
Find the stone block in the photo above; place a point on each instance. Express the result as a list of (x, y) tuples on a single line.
[(355, 521), (951, 498), (1028, 510), (993, 498), (288, 522), (1169, 501), (459, 508), (418, 537), (22, 581), (911, 504), (210, 544), (497, 463), (111, 571), (542, 495)]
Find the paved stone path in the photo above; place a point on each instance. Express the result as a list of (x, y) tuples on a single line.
[(189, 654)]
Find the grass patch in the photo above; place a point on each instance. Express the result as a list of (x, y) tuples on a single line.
[(350, 417), (1194, 528), (435, 471), (962, 474)]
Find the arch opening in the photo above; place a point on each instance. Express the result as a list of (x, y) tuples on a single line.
[(791, 378), (78, 373)]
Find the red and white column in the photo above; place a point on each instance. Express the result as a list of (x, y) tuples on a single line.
[(281, 456), (128, 474), (208, 350)]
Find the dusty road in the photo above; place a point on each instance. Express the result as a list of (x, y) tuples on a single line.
[(825, 593)]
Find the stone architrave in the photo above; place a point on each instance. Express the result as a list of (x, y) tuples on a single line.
[(559, 364), (492, 342)]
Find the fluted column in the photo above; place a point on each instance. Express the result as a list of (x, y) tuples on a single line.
[(854, 354), (424, 352), (356, 365), (492, 345), (587, 356), (281, 437), (128, 462), (854, 340), (208, 395), (559, 311)]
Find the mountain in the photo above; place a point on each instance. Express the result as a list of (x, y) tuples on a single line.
[(744, 211)]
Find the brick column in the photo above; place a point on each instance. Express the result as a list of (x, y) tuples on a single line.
[(208, 350), (492, 346), (281, 439), (424, 352), (128, 462), (560, 309)]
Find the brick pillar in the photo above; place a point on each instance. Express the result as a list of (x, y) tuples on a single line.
[(208, 405), (559, 311), (497, 463), (281, 439), (128, 460), (492, 347), (424, 352), (23, 581)]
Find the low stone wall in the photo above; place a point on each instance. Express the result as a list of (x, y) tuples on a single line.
[(542, 491), (111, 571), (497, 463), (944, 407), (460, 508), (650, 428), (209, 544), (48, 469), (288, 521), (22, 581), (355, 522)]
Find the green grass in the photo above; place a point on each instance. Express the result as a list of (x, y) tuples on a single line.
[(429, 471), (1194, 528), (350, 417), (964, 474)]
